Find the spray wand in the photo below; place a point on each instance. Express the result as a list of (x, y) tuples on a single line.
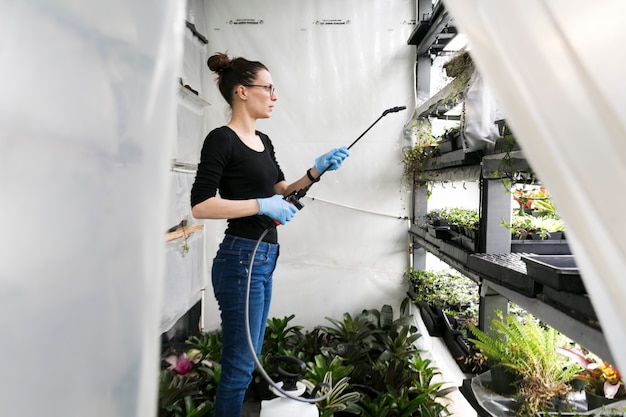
[(295, 196)]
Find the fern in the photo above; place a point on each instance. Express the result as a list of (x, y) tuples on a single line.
[(528, 348)]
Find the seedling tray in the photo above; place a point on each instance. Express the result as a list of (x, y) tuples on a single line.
[(556, 271), (506, 269)]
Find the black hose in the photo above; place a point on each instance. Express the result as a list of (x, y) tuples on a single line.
[(251, 345)]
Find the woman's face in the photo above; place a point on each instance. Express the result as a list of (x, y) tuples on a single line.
[(261, 95)]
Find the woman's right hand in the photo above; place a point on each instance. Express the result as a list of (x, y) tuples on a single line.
[(277, 208)]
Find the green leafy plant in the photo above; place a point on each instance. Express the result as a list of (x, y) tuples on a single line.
[(209, 344), (459, 216), (188, 385), (529, 349), (385, 359), (359, 356), (524, 224), (340, 398), (283, 338), (415, 161), (445, 290), (349, 338)]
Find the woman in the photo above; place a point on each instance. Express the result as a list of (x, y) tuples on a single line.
[(239, 161)]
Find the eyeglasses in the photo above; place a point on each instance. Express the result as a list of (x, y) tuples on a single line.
[(269, 88)]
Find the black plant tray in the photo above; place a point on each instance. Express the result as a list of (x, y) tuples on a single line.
[(432, 318), (440, 232), (459, 347), (541, 247), (556, 271), (575, 305), (451, 144), (506, 269)]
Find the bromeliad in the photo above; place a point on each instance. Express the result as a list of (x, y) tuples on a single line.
[(602, 378)]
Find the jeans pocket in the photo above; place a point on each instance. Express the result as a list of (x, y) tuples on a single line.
[(260, 259)]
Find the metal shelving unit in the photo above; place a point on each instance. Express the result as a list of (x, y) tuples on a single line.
[(433, 30)]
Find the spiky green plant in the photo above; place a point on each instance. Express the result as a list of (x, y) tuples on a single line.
[(341, 397), (529, 349)]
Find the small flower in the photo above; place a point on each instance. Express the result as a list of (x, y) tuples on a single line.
[(183, 364)]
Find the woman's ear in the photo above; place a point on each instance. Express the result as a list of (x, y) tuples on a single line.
[(241, 92)]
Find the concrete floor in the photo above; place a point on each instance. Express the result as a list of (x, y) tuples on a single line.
[(251, 409)]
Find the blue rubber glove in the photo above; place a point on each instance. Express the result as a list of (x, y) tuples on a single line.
[(332, 159), (277, 208)]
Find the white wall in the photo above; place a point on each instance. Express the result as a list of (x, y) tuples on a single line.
[(347, 249)]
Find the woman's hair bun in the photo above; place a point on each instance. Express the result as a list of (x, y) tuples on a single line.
[(219, 62)]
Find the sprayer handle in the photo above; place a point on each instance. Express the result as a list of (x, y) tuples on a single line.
[(289, 378)]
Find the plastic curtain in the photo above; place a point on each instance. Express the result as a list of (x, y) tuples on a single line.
[(556, 70), (336, 67), (87, 121)]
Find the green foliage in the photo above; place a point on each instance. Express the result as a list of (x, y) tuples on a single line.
[(461, 217), (281, 338), (209, 344), (369, 359), (402, 402), (523, 224), (445, 290), (188, 391), (416, 159), (339, 399), (529, 349), (320, 367)]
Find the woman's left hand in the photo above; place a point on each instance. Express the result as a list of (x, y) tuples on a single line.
[(332, 159)]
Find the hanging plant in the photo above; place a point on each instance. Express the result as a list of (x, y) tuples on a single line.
[(416, 158)]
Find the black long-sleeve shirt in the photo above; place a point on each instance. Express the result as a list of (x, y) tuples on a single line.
[(239, 173)]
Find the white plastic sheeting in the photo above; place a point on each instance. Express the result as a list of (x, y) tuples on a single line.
[(185, 269), (185, 277), (336, 67), (87, 121), (557, 69)]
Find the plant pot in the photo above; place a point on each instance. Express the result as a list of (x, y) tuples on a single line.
[(503, 381), (578, 384), (597, 401), (439, 232), (432, 318)]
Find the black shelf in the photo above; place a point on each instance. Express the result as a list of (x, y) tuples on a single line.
[(571, 314), (434, 31)]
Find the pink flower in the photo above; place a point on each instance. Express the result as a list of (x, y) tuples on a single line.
[(181, 364)]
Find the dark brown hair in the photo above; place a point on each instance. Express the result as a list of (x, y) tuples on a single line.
[(233, 72)]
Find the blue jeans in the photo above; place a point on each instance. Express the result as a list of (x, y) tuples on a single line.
[(230, 276)]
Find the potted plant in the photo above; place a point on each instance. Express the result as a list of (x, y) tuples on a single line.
[(188, 384), (369, 359), (604, 383), (434, 291), (528, 350), (416, 157), (527, 226)]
